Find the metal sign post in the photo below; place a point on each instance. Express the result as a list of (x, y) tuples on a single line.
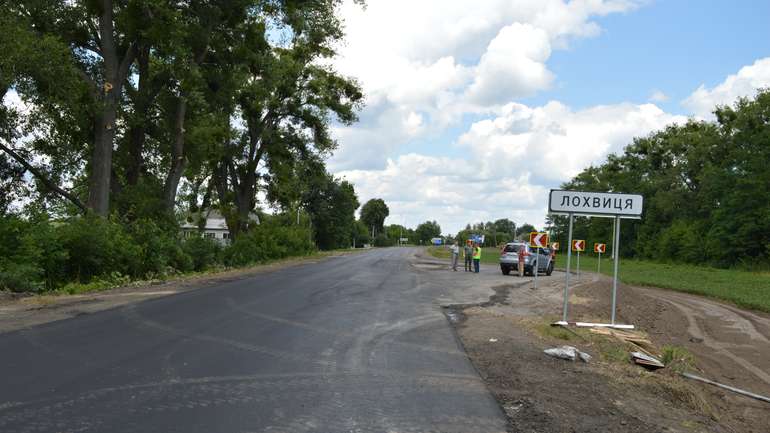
[(537, 266), (597, 204), (578, 266), (599, 267), (600, 249), (566, 283), (616, 247)]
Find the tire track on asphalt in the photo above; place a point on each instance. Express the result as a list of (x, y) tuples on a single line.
[(405, 325)]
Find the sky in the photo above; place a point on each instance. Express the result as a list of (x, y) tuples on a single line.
[(476, 109)]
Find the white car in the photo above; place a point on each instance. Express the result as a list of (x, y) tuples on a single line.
[(509, 259)]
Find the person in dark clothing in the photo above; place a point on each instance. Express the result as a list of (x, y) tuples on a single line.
[(468, 255)]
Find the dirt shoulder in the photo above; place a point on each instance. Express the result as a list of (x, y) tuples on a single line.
[(543, 394), (18, 311)]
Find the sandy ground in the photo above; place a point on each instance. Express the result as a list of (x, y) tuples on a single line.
[(543, 394)]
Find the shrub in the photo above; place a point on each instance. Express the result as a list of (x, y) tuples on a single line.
[(268, 241), (34, 258), (99, 246), (161, 248), (204, 253)]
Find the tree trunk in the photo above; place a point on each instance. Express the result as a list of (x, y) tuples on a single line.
[(101, 161), (139, 129), (178, 160), (115, 73)]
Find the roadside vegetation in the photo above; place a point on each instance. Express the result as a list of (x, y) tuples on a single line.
[(124, 130), (706, 188), (744, 288), (747, 289)]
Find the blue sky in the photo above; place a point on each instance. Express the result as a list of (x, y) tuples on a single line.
[(476, 109), (668, 45)]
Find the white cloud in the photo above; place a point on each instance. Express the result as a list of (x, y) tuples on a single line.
[(442, 59), (513, 159), (512, 66), (743, 84)]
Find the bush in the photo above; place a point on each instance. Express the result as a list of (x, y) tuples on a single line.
[(34, 258), (204, 253), (268, 241), (99, 246), (382, 240), (161, 248), (91, 253), (21, 277)]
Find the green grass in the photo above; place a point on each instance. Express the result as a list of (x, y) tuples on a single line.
[(678, 358), (489, 255), (743, 288)]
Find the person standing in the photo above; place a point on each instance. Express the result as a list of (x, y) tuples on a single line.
[(455, 254), (476, 257), (468, 254)]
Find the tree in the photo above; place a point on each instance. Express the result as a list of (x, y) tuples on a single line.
[(361, 235), (706, 188), (286, 96), (524, 230), (427, 230), (373, 214), (332, 204)]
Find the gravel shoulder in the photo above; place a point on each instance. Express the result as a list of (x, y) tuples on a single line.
[(539, 393)]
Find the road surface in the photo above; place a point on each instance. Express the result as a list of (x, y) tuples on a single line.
[(355, 343)]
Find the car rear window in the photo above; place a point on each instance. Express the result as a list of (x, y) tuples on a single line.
[(512, 248)]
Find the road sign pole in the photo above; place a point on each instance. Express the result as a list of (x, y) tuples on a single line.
[(599, 268), (537, 265), (578, 266), (616, 249), (566, 283)]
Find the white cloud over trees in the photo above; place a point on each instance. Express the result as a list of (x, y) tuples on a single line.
[(428, 67)]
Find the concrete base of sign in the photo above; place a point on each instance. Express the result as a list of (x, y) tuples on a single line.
[(592, 325)]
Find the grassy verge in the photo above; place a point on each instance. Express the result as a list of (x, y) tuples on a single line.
[(489, 255), (115, 281), (743, 288)]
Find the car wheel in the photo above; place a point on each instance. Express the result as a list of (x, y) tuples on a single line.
[(550, 269), (506, 270)]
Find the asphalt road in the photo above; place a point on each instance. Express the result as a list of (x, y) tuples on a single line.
[(352, 344)]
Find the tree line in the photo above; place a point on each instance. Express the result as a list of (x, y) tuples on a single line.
[(495, 233), (139, 114), (706, 186)]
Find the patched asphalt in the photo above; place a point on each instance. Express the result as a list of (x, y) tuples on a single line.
[(355, 343)]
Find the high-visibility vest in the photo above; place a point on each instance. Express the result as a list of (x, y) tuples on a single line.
[(477, 253)]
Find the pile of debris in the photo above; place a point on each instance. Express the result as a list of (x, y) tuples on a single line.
[(646, 355)]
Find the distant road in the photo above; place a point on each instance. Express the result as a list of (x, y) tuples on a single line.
[(352, 344)]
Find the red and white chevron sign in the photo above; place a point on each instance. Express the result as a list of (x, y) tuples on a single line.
[(538, 240), (579, 245), (600, 248)]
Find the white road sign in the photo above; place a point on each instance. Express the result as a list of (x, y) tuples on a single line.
[(595, 203)]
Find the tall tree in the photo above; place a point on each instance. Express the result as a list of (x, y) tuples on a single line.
[(427, 230), (285, 96), (373, 214)]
